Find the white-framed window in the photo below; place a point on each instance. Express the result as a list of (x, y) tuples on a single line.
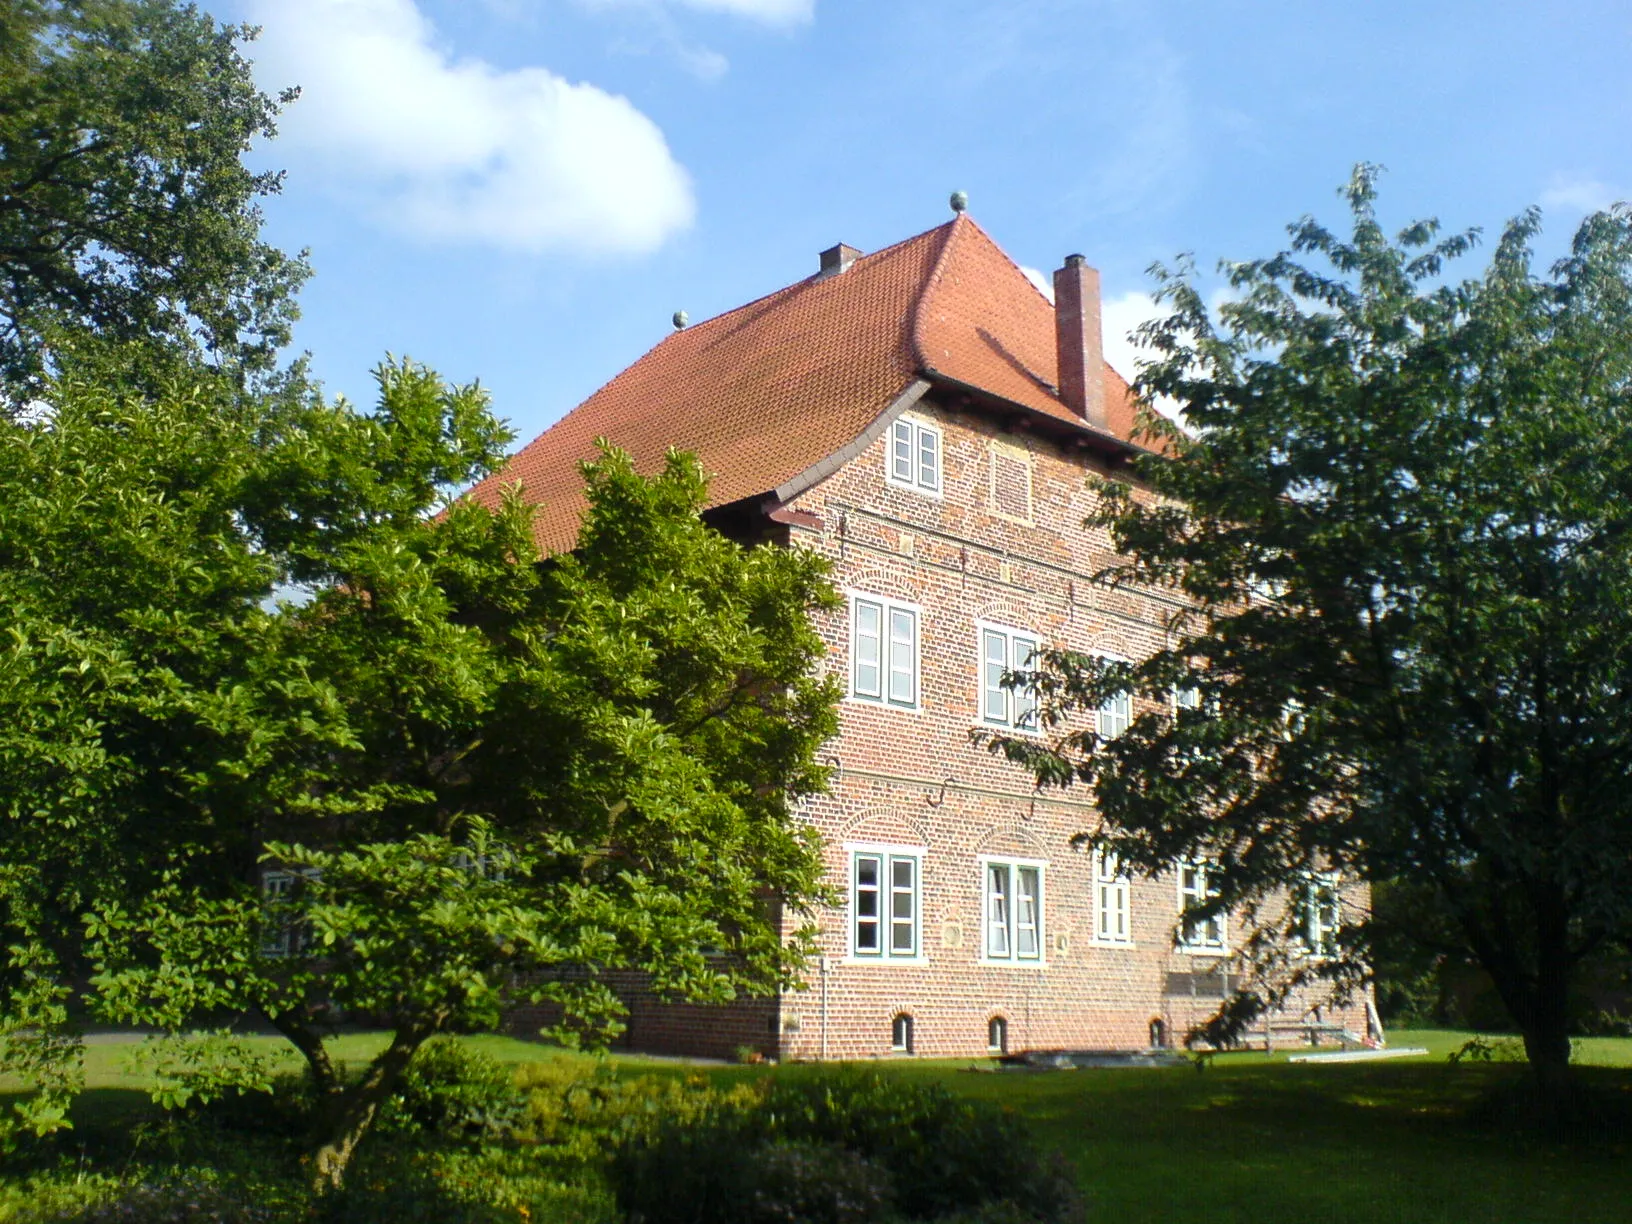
[(886, 902), (1112, 900), (1116, 715), (1322, 913), (281, 934), (914, 458), (1013, 894), (1186, 697), (901, 1033), (1197, 885), (1003, 649), (884, 651), (997, 1035)]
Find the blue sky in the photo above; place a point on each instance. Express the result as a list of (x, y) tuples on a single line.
[(523, 191)]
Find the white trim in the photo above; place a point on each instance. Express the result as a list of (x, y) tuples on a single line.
[(1009, 632), (1122, 880), (868, 847), (1014, 960), (1308, 902), (1107, 656), (1222, 948), (885, 852), (887, 605), (918, 426)]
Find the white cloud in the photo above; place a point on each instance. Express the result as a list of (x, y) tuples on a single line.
[(457, 149), (1582, 195), (1036, 276), (1119, 316)]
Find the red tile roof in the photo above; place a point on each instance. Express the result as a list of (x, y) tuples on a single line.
[(766, 391)]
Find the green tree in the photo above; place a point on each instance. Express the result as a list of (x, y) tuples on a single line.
[(1401, 527), (125, 210), (456, 777)]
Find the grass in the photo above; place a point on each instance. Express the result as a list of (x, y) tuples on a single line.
[(107, 1061), (1250, 1139)]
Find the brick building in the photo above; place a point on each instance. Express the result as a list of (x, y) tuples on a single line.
[(925, 417)]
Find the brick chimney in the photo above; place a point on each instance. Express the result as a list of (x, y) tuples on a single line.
[(1079, 341), (836, 259)]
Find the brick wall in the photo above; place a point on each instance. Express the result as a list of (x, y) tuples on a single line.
[(976, 553)]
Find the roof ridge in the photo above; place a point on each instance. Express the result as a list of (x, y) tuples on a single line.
[(931, 283), (865, 257)]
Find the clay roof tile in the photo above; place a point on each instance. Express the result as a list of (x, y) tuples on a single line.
[(766, 391)]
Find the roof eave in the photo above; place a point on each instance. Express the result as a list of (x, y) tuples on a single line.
[(1115, 447)]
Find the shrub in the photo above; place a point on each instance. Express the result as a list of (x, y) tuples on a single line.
[(690, 1167), (1604, 1022), (454, 1091), (583, 1119), (814, 1183), (944, 1153), (826, 1142), (188, 1199)]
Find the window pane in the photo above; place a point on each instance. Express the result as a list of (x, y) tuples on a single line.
[(929, 459), (903, 906), (997, 909), (901, 452), (867, 649), (866, 903), (1025, 700), (903, 653), (995, 661), (901, 874), (867, 887), (1115, 715), (1026, 919)]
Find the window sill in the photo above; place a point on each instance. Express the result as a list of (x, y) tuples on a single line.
[(886, 962), (1013, 963), (1218, 953), (873, 703), (906, 486), (1029, 732), (1126, 945)]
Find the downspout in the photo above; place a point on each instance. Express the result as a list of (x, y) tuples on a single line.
[(822, 968)]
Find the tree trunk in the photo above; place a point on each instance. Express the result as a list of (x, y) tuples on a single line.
[(1546, 1026), (310, 1044), (354, 1108), (1537, 997)]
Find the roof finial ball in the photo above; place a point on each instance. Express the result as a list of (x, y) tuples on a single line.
[(960, 201), (681, 318)]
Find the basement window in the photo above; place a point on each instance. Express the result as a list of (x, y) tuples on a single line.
[(997, 1035), (901, 1034)]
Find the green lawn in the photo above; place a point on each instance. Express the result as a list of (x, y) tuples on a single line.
[(1250, 1139)]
